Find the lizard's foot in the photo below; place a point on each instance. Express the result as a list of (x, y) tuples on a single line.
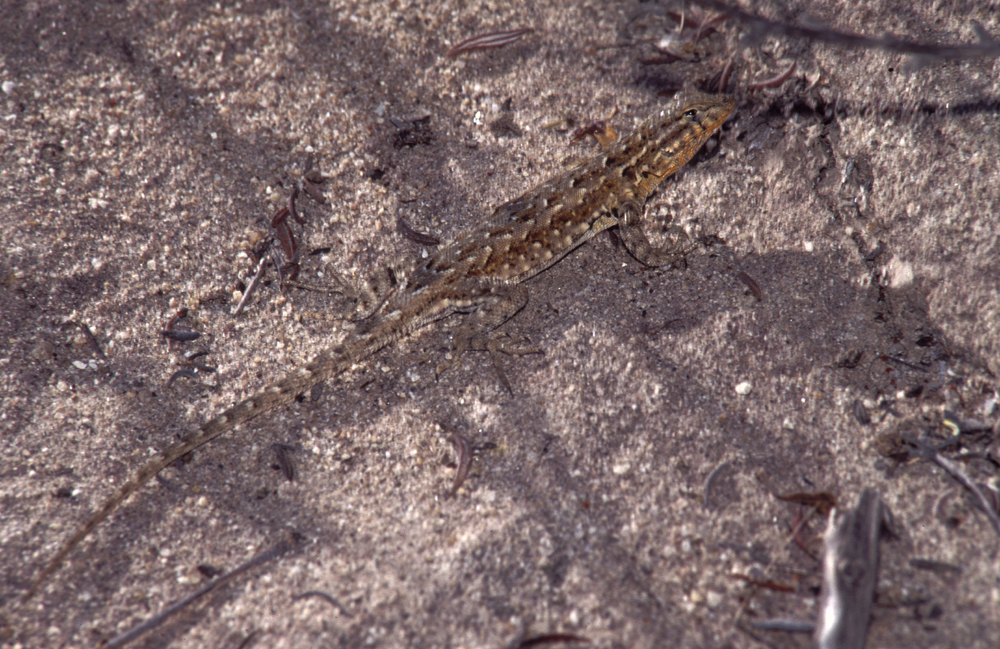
[(492, 344), (678, 244)]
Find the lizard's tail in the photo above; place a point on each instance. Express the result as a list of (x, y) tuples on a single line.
[(323, 367)]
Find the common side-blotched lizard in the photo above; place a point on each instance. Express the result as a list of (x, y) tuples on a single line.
[(482, 270)]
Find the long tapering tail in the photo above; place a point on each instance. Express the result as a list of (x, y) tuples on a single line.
[(325, 366)]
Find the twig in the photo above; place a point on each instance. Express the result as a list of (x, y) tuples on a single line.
[(936, 566), (759, 25), (274, 552), (724, 77), (330, 598), (707, 489), (291, 206), (181, 336), (956, 472), (189, 373), (751, 284), (250, 639), (314, 192), (254, 283), (413, 235), (850, 570), (706, 26), (487, 41), (550, 638), (774, 82), (788, 626), (175, 334), (463, 453), (284, 462), (88, 334)]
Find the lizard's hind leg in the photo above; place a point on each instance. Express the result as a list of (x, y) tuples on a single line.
[(477, 332)]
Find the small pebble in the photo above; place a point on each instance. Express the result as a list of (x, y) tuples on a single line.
[(43, 351)]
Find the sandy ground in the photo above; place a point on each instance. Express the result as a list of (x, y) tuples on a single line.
[(144, 147)]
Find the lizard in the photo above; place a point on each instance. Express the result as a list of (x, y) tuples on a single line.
[(481, 271)]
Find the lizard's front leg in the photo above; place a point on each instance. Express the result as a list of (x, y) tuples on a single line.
[(373, 291), (630, 231)]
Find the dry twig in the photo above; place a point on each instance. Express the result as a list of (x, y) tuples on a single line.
[(487, 41), (274, 552), (758, 26)]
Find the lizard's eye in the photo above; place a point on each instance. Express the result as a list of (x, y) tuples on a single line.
[(691, 113)]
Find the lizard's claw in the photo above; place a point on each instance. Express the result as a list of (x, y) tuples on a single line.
[(491, 344)]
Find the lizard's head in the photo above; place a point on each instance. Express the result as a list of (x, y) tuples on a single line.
[(696, 108), (675, 134)]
